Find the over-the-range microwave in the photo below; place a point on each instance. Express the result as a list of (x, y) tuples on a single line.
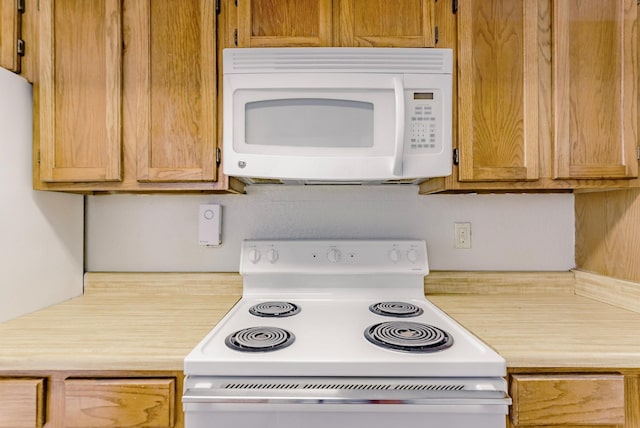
[(337, 115)]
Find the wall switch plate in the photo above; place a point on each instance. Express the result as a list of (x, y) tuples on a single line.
[(462, 235), (210, 225)]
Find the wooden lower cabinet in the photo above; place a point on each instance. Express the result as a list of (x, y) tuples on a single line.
[(121, 402), (91, 399), (21, 402), (548, 399)]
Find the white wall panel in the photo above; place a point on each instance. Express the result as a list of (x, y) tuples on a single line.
[(41, 233), (159, 232)]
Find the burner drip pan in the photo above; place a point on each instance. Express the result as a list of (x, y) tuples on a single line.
[(274, 309), (396, 309), (259, 339), (408, 336)]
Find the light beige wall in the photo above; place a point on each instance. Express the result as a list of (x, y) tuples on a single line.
[(159, 232), (41, 233)]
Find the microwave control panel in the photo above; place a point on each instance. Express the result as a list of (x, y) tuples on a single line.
[(422, 126)]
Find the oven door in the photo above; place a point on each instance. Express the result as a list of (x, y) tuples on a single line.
[(342, 403)]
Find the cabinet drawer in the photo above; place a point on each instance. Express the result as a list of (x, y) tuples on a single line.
[(567, 400), (119, 402), (21, 403)]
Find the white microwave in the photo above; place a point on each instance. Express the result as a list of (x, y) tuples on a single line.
[(337, 115)]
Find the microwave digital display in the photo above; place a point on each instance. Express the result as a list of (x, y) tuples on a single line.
[(423, 95)]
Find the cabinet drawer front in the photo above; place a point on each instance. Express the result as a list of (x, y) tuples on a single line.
[(567, 400), (21, 403), (119, 402)]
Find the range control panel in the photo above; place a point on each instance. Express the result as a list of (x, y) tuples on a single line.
[(334, 257)]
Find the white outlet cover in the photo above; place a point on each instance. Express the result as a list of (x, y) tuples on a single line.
[(210, 225)]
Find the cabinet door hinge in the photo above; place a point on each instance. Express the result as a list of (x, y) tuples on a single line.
[(20, 47), (436, 34), (217, 7), (218, 156), (20, 6), (454, 6), (638, 152), (456, 156)]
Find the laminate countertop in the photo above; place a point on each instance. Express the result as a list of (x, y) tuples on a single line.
[(149, 321)]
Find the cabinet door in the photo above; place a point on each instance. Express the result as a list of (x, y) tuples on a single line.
[(401, 23), (9, 35), (119, 403), (595, 65), (567, 400), (498, 90), (79, 85), (264, 23), (21, 403), (172, 110)]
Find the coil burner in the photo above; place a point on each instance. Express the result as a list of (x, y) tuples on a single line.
[(259, 339), (396, 309), (408, 336), (274, 309)]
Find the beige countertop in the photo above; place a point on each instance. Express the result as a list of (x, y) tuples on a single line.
[(151, 321)]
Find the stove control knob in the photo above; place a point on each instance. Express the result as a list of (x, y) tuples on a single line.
[(394, 255), (272, 255), (412, 256), (254, 256), (334, 255)]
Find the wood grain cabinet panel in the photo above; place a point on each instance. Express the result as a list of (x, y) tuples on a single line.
[(567, 400), (269, 23), (498, 90), (125, 97), (380, 23), (171, 91), (93, 403), (21, 403), (10, 31), (595, 65), (80, 90)]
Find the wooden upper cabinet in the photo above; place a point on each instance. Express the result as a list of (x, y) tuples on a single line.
[(269, 23), (595, 71), (498, 90), (10, 30), (171, 90), (383, 23), (399, 23), (80, 71)]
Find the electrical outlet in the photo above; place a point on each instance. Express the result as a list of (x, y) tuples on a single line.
[(462, 235)]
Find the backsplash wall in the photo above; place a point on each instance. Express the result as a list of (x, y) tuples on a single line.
[(160, 232)]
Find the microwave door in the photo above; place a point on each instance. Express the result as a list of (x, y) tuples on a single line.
[(315, 127)]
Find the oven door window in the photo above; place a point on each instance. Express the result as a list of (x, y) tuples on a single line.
[(309, 122)]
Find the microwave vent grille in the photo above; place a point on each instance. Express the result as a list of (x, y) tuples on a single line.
[(337, 60)]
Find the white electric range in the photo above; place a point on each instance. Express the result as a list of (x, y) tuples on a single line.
[(339, 332)]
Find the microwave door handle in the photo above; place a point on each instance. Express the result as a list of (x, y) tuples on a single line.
[(398, 89)]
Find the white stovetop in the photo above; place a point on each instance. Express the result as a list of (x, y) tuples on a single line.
[(329, 341), (334, 298)]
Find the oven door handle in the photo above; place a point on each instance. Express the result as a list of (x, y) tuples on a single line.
[(398, 89), (475, 398)]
